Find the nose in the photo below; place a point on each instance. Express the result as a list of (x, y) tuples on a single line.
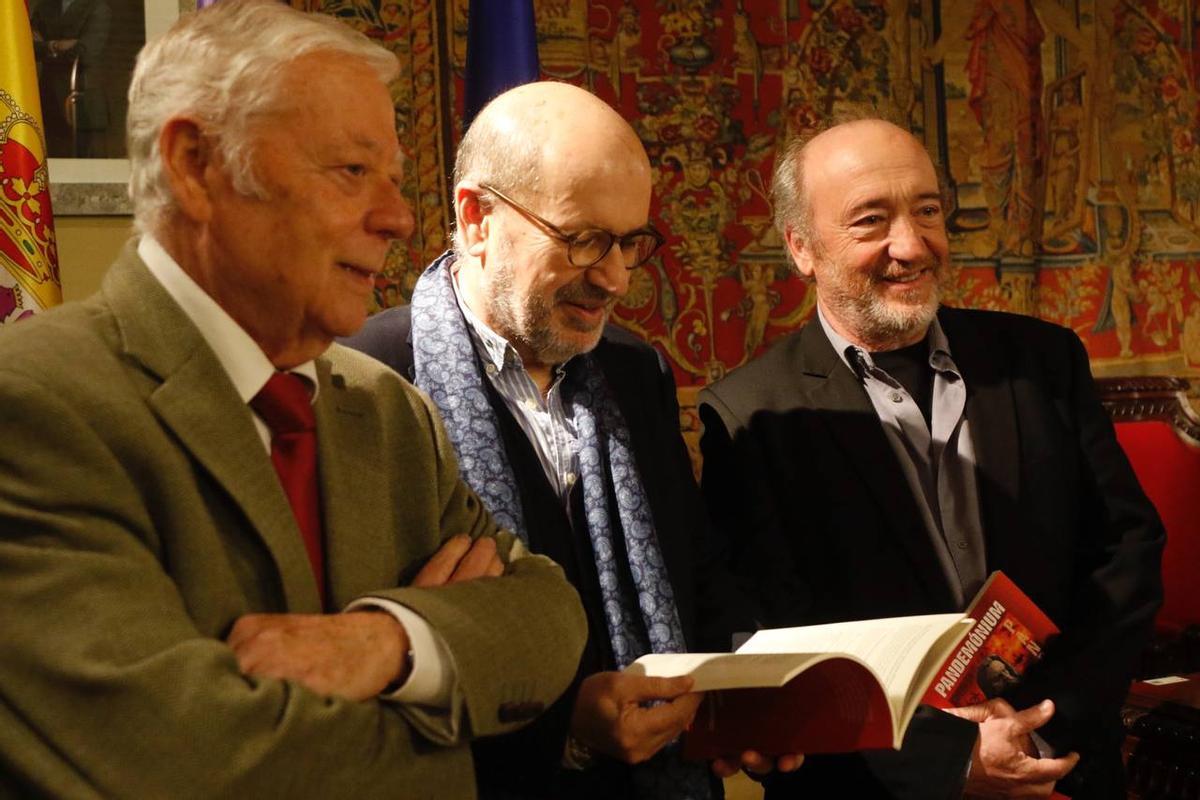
[(907, 242), (609, 273), (391, 216)]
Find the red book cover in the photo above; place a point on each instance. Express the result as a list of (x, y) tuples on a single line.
[(1008, 637), (836, 706), (830, 688)]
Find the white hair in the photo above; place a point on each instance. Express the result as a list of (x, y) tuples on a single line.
[(224, 67)]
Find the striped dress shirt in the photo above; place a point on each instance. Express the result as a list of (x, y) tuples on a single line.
[(545, 420)]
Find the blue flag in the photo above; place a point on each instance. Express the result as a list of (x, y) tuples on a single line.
[(501, 51)]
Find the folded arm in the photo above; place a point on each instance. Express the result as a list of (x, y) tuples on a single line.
[(115, 601)]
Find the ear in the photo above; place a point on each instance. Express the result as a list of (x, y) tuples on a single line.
[(801, 252), (186, 157), (473, 221)]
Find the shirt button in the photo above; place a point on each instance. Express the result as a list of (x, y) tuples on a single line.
[(490, 369), (529, 405), (962, 545), (896, 397), (569, 478)]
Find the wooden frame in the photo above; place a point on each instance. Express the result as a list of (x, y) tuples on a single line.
[(99, 186), (1137, 399)]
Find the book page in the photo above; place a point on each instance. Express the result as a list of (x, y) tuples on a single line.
[(712, 671), (894, 648), (931, 665)]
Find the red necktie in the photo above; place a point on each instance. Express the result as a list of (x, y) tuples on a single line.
[(284, 404)]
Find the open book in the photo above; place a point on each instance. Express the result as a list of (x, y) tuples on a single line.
[(838, 687)]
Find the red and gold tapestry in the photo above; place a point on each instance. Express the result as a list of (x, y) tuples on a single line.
[(1065, 132)]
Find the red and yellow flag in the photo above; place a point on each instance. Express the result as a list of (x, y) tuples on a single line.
[(29, 279)]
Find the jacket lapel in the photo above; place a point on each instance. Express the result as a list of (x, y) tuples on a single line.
[(198, 404), (358, 537), (411, 372), (847, 412), (991, 412)]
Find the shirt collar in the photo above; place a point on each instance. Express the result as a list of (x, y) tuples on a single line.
[(243, 360), (493, 347), (856, 358), (939, 348)]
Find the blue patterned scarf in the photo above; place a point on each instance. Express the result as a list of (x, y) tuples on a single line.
[(446, 367)]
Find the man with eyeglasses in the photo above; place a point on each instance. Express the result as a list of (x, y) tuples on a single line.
[(569, 431)]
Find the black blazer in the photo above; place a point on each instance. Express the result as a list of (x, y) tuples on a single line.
[(711, 608), (802, 482)]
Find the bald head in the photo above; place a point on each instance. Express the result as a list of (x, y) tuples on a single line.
[(877, 131), (546, 138), (865, 143)]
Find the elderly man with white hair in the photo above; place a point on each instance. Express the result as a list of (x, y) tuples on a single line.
[(194, 482)]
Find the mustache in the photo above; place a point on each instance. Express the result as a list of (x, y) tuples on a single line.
[(892, 272), (584, 293)]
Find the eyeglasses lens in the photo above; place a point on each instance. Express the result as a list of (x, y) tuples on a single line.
[(590, 247)]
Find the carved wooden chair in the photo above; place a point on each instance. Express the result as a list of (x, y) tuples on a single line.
[(1159, 429)]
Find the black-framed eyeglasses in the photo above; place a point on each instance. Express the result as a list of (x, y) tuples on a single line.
[(588, 248)]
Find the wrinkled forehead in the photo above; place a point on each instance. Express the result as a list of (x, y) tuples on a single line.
[(866, 150), (338, 101)]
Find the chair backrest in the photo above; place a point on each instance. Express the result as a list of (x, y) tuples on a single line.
[(1160, 432)]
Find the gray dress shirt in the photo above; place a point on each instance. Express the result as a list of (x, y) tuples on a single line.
[(939, 465)]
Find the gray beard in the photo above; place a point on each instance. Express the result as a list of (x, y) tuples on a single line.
[(528, 325), (884, 326), (880, 326)]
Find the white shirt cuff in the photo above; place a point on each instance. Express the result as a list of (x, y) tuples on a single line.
[(432, 680)]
